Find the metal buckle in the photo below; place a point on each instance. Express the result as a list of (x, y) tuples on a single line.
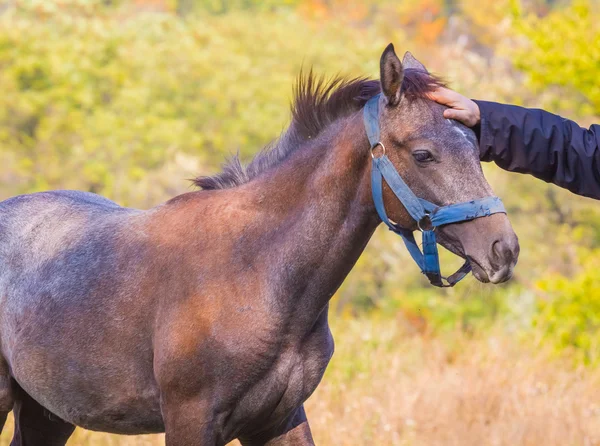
[(428, 218), (374, 146)]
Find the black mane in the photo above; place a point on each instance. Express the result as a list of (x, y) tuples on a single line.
[(317, 103)]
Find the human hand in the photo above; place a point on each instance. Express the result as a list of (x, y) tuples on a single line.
[(461, 108)]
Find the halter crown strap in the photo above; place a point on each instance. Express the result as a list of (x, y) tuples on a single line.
[(371, 120), (419, 209)]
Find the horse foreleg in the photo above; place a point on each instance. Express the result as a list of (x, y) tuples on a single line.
[(6, 393), (34, 426), (189, 422), (294, 431), (3, 416)]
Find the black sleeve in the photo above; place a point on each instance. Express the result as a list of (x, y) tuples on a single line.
[(542, 144)]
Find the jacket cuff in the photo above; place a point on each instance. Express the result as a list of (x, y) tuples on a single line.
[(485, 134)]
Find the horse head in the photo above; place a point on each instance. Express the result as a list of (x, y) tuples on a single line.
[(438, 159)]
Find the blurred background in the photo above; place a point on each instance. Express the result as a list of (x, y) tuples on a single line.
[(130, 99)]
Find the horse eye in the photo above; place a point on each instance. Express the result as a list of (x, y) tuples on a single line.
[(423, 156)]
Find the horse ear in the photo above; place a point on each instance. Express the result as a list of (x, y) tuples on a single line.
[(392, 75), (409, 61)]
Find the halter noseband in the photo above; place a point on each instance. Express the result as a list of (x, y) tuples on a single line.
[(420, 210)]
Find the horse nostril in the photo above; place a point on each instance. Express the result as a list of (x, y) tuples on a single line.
[(502, 251)]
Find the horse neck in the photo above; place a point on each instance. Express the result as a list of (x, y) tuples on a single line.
[(321, 217)]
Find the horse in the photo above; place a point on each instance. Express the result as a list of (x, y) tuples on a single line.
[(206, 317)]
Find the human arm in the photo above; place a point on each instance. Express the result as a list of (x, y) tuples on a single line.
[(532, 141)]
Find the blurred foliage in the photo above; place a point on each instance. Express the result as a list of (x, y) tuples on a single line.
[(561, 51), (129, 98), (569, 310), (95, 99)]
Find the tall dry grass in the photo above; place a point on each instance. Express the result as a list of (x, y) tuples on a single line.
[(420, 391), (385, 387)]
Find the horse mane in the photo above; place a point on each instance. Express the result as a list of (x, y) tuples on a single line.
[(318, 102)]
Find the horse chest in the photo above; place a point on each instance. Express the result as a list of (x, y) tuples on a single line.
[(287, 384)]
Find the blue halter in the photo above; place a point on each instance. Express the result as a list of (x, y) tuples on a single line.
[(422, 211)]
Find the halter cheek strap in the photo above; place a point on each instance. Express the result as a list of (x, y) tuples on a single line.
[(422, 211)]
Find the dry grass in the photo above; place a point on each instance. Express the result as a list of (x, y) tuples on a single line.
[(384, 388), (472, 392)]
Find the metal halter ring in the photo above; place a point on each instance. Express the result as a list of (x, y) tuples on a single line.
[(429, 220), (375, 145)]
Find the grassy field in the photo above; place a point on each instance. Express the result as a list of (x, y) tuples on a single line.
[(386, 387)]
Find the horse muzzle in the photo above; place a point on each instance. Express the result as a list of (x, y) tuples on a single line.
[(489, 244)]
